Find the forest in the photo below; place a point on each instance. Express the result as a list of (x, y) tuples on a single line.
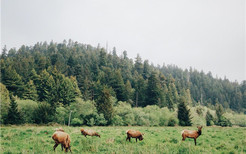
[(71, 81)]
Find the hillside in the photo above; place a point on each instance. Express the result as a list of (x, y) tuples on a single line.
[(60, 72)]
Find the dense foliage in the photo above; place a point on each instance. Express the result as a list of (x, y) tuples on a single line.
[(58, 73)]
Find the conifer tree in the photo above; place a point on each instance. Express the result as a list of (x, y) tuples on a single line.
[(140, 91), (75, 87), (118, 86), (13, 81), (5, 101), (128, 90), (153, 89), (66, 91), (30, 91), (105, 104), (184, 113), (14, 116), (139, 65), (209, 119)]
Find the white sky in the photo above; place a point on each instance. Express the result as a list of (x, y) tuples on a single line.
[(208, 35)]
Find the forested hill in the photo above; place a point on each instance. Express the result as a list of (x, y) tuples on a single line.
[(39, 72)]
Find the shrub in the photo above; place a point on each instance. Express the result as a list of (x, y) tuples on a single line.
[(117, 121), (27, 108), (100, 120), (172, 121), (61, 115), (224, 122), (91, 122), (76, 122), (44, 113)]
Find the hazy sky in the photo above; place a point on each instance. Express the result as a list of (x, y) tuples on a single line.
[(208, 35)]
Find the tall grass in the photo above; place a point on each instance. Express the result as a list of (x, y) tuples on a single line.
[(37, 139)]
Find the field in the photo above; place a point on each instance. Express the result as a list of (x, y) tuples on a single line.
[(37, 139)]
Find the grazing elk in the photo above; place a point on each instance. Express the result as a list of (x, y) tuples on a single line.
[(60, 137), (134, 134), (89, 133), (192, 133)]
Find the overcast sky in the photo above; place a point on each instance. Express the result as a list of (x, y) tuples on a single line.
[(208, 35)]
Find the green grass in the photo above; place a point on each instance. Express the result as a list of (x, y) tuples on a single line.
[(37, 139)]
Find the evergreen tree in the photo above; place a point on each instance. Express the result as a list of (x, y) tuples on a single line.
[(118, 86), (13, 81), (139, 65), (14, 116), (66, 91), (209, 119), (4, 52), (184, 113), (30, 91), (75, 87), (146, 70), (153, 89), (128, 91), (105, 104), (47, 88), (5, 101), (219, 110), (102, 58), (140, 91)]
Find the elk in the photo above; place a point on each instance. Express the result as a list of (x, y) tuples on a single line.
[(192, 133), (89, 132), (60, 137), (134, 134)]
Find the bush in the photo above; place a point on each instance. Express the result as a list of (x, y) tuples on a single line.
[(76, 122), (172, 121), (44, 113), (100, 120), (91, 122), (117, 121), (27, 109), (61, 115), (224, 122)]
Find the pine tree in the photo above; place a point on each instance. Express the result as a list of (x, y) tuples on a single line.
[(75, 87), (184, 113), (30, 91), (105, 104), (5, 101), (4, 52), (209, 119), (140, 91), (139, 65), (153, 89), (66, 91), (128, 90), (14, 116), (118, 86), (13, 81)]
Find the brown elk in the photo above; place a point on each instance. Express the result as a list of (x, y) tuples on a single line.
[(60, 137), (89, 132), (134, 134), (192, 133)]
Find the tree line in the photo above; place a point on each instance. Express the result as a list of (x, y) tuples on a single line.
[(58, 73)]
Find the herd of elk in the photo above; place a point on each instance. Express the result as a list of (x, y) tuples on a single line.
[(60, 137)]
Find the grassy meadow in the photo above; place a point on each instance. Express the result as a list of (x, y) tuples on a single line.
[(37, 139)]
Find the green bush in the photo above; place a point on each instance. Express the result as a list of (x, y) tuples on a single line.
[(76, 122), (224, 122), (172, 121), (44, 113), (27, 109), (100, 120), (117, 121)]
